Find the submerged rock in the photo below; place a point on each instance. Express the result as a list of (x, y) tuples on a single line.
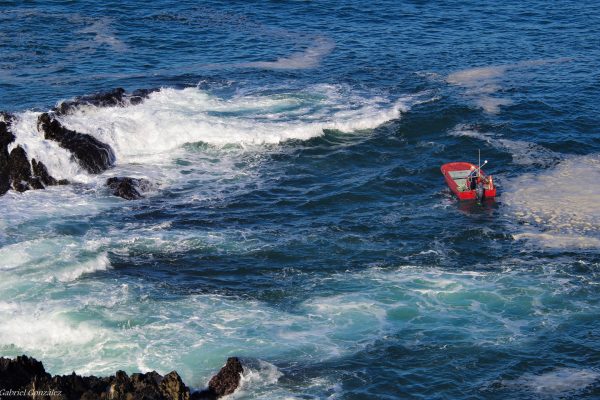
[(128, 188), (93, 155), (27, 374)]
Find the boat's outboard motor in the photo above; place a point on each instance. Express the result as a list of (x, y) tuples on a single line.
[(480, 191)]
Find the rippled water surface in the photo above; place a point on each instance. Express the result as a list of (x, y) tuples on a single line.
[(298, 217)]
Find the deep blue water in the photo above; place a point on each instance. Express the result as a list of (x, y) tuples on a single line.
[(299, 219)]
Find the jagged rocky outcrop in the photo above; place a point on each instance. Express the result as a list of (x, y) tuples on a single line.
[(128, 188), (224, 383), (27, 378), (106, 99), (93, 155), (19, 168), (112, 98), (16, 172), (6, 137), (20, 174)]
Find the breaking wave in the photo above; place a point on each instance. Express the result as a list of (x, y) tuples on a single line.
[(150, 132)]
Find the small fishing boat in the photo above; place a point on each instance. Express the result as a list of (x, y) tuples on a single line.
[(468, 181)]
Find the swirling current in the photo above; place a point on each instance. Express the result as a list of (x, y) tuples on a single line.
[(298, 217)]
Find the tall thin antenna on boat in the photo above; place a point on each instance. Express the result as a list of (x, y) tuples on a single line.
[(479, 163)]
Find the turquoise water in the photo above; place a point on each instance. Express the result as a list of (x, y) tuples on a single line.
[(299, 219)]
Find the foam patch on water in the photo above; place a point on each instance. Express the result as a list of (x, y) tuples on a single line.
[(523, 152), (559, 207), (558, 382), (309, 58), (482, 84)]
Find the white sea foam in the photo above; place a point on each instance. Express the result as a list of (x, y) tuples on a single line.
[(309, 58), (103, 35), (108, 326), (523, 152), (561, 206), (99, 263), (256, 377), (481, 84), (59, 161), (558, 382), (149, 137), (37, 331), (171, 118)]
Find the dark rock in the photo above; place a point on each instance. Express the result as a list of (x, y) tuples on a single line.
[(41, 172), (93, 155), (6, 137), (128, 188), (139, 95), (36, 183), (19, 170), (7, 117), (228, 378), (26, 374), (106, 99), (172, 387), (224, 383), (112, 98), (18, 373)]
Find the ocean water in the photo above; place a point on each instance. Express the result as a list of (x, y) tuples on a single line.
[(298, 218)]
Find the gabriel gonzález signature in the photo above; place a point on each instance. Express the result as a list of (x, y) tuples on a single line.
[(30, 393)]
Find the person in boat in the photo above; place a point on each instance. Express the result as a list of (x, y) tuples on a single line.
[(472, 178)]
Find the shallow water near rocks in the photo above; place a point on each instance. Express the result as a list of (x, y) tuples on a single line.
[(298, 217)]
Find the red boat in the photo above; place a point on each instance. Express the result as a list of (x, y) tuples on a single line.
[(456, 174)]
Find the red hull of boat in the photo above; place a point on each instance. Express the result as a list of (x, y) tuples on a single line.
[(464, 194)]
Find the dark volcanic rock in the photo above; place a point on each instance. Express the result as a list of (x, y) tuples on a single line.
[(18, 373), (27, 374), (128, 188), (228, 378), (172, 387), (115, 97), (15, 169), (6, 137), (224, 383), (107, 99), (41, 172), (140, 95), (19, 170), (92, 154)]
